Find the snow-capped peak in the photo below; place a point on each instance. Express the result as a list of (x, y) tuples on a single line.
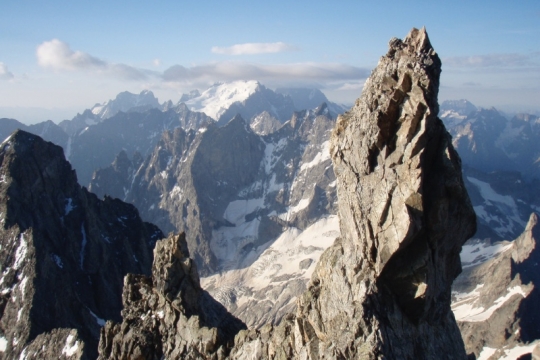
[(125, 101), (219, 97)]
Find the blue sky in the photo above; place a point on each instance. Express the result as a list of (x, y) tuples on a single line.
[(65, 56)]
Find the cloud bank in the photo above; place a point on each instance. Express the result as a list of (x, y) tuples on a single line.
[(57, 55), (253, 48), (230, 71), (5, 74), (493, 60)]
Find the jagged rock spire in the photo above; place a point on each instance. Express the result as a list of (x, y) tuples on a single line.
[(383, 289)]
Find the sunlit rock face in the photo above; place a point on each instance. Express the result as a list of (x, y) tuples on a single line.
[(383, 288)]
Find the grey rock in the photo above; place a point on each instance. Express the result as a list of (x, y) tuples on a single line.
[(169, 315), (383, 289), (495, 299), (63, 252)]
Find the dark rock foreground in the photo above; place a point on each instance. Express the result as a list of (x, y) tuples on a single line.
[(64, 254)]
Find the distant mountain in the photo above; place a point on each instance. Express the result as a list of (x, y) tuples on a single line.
[(250, 99), (124, 102), (453, 111), (47, 130), (487, 140), (306, 99), (223, 101), (495, 300), (98, 145)]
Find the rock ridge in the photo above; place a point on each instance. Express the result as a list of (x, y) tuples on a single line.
[(63, 253), (383, 289)]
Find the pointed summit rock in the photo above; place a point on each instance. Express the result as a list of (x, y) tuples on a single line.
[(383, 289)]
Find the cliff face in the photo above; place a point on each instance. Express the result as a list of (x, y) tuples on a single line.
[(63, 254), (496, 297), (169, 316), (382, 290)]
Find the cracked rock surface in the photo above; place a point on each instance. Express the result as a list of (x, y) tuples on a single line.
[(383, 289)]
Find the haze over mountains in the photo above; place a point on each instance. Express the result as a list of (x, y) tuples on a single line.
[(246, 173)]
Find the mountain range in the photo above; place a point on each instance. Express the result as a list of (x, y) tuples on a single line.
[(245, 173)]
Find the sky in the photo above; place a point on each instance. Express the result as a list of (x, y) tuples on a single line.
[(58, 58)]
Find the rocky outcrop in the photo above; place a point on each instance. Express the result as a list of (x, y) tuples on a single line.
[(114, 180), (383, 289), (495, 299), (63, 254), (169, 316), (252, 207)]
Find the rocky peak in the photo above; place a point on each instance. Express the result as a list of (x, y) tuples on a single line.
[(174, 317), (63, 253), (383, 289)]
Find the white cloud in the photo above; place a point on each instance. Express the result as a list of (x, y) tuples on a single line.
[(358, 85), (156, 62), (492, 60), (5, 74), (57, 55), (230, 71), (253, 48)]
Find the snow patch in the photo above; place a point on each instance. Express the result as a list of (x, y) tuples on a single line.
[(475, 253), (505, 202), (486, 353), (321, 156), (71, 346), (517, 351), (467, 312), (99, 320), (3, 344), (58, 261), (69, 206), (237, 210), (20, 253), (270, 261), (218, 98)]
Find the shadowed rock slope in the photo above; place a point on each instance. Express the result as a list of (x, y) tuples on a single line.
[(63, 254), (169, 316), (382, 291)]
